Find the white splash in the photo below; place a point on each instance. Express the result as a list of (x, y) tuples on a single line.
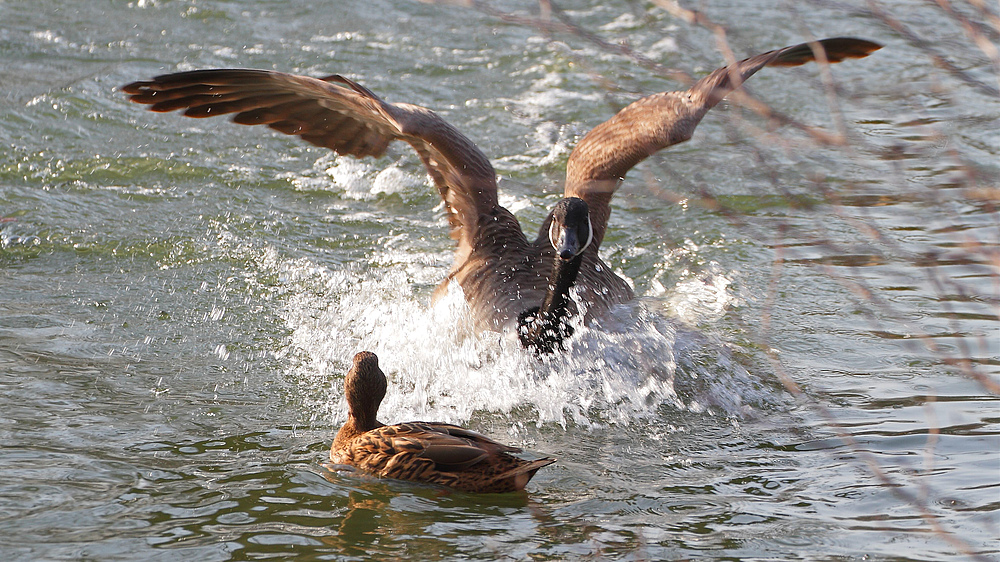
[(441, 368), (619, 370)]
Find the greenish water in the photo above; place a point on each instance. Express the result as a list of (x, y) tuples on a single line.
[(179, 299)]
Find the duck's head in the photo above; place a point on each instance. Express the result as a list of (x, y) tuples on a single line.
[(364, 387), (570, 232)]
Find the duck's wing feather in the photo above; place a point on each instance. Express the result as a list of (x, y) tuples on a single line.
[(605, 154), (449, 447), (337, 113), (477, 438)]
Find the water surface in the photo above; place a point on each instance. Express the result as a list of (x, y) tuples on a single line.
[(809, 372)]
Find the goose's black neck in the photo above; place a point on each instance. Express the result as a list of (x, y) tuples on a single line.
[(543, 328)]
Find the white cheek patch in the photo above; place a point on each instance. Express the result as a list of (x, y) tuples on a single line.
[(555, 234)]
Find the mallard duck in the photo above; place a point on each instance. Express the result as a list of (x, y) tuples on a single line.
[(437, 453), (507, 278)]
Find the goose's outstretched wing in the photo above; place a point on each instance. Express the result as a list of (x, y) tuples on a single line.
[(336, 113), (605, 154)]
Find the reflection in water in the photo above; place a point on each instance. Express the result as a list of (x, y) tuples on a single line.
[(390, 516), (360, 528)]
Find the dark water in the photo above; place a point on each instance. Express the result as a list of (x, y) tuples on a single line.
[(810, 372)]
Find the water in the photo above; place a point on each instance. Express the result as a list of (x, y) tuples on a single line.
[(806, 374)]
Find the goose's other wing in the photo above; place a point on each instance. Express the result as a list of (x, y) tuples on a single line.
[(605, 154), (336, 113)]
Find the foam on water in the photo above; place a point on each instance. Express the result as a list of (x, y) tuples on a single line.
[(359, 180), (13, 235), (546, 94), (704, 298)]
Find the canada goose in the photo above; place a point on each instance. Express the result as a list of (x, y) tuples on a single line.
[(505, 276), (436, 453)]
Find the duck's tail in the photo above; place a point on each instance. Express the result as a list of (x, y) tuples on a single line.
[(521, 475)]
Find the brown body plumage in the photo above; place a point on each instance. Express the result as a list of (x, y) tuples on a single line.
[(436, 453), (502, 272)]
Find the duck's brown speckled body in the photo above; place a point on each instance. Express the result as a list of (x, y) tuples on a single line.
[(435, 453)]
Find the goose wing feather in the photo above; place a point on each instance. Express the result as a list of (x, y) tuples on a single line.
[(605, 154), (337, 113)]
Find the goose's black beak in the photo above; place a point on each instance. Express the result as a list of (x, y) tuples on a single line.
[(568, 243)]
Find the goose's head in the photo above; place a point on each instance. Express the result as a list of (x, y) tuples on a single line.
[(365, 386), (570, 231), (543, 328)]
